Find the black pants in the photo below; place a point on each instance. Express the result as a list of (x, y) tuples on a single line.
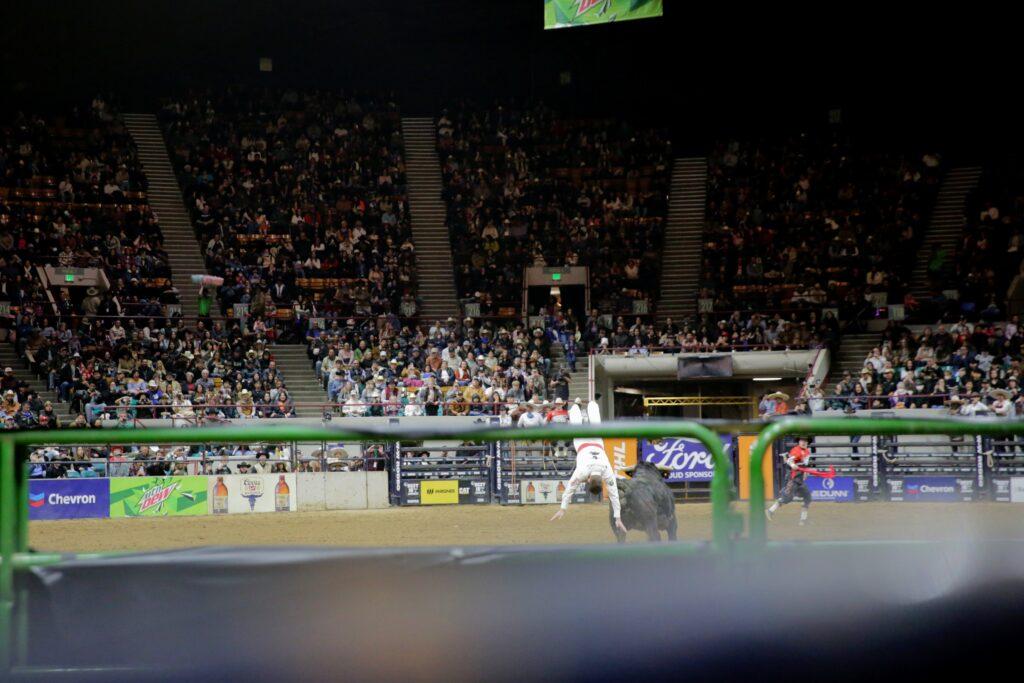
[(796, 487)]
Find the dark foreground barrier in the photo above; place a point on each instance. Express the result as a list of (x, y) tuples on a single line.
[(596, 613)]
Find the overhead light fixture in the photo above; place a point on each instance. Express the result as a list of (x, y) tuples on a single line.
[(767, 379), (629, 390)]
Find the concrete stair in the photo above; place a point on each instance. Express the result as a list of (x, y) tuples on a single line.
[(297, 371), (579, 381), (166, 201), (853, 349), (434, 269), (946, 225), (9, 358), (682, 252)]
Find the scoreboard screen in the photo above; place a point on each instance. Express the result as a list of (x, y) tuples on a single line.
[(566, 13)]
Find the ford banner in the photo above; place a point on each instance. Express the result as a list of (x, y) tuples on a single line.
[(68, 498), (688, 459)]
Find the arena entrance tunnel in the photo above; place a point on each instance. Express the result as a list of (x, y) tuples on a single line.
[(506, 573)]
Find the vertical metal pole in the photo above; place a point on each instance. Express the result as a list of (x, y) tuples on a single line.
[(8, 544), (756, 523), (22, 484), (20, 626), (499, 489)]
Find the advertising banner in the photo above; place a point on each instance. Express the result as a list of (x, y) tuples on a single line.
[(1017, 489), (687, 458), (158, 496), (566, 13), (839, 489), (445, 492), (1001, 490), (744, 444), (548, 491), (621, 453), (409, 493), (474, 492), (68, 498), (510, 493), (931, 489), (439, 492), (244, 493)]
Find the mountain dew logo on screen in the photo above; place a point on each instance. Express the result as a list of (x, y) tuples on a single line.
[(155, 497), (563, 13)]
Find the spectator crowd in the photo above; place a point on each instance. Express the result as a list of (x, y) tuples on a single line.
[(966, 368), (298, 199), (988, 260), (447, 368), (527, 186), (814, 221), (299, 202), (72, 194), (78, 462)]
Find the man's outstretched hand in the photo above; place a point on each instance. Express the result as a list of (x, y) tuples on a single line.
[(558, 515), (620, 526)]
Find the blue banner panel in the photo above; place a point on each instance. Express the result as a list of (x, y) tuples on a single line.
[(931, 489), (835, 489), (688, 459), (68, 498)]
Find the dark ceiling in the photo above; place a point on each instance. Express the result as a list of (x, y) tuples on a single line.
[(704, 69)]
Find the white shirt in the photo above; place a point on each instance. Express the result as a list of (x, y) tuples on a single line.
[(530, 419), (972, 409), (592, 459)]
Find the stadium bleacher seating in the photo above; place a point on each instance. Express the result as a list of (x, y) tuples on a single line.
[(298, 199), (526, 185), (813, 221)]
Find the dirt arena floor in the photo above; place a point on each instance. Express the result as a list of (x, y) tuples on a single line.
[(493, 524)]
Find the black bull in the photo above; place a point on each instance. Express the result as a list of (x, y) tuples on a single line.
[(647, 503)]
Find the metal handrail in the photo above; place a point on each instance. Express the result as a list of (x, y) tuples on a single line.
[(851, 426), (711, 348)]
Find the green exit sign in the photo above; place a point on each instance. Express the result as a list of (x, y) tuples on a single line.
[(556, 276), (69, 278)]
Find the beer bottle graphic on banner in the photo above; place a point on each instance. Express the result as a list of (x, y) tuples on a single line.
[(220, 497), (282, 495), (561, 490), (531, 493)]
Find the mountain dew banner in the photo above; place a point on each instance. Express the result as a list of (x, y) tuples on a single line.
[(157, 496), (565, 13)]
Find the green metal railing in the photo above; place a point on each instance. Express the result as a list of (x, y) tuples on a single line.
[(14, 448), (853, 426)]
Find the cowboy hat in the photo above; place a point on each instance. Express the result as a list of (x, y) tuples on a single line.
[(779, 394)]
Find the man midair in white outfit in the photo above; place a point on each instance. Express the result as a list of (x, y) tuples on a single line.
[(592, 467)]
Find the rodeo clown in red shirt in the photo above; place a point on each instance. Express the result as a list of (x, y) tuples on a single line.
[(797, 461)]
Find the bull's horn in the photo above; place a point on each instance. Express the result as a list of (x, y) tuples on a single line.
[(628, 470), (663, 468)]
